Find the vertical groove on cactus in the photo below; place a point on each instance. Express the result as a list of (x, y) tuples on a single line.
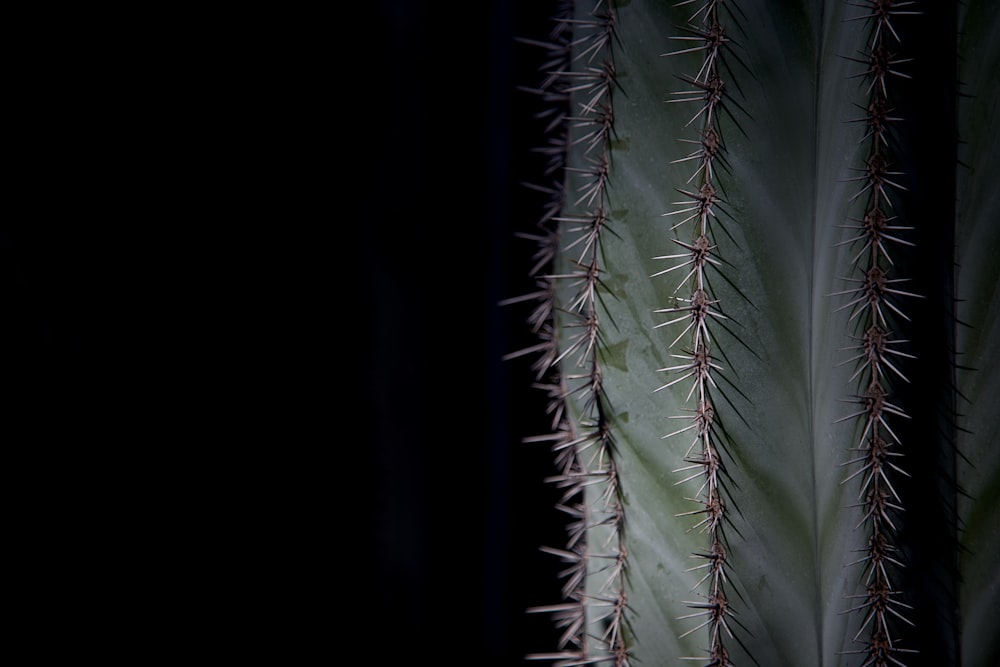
[(874, 301), (702, 199), (928, 537), (581, 78)]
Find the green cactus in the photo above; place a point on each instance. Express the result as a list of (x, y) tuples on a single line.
[(767, 326)]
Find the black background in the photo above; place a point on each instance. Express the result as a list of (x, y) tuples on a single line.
[(461, 507), (255, 400)]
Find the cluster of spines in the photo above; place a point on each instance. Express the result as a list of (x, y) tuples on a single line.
[(579, 79), (875, 296), (699, 312)]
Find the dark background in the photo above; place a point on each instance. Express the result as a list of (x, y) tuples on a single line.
[(460, 505), (253, 375)]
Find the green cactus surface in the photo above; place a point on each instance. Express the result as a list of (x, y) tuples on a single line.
[(767, 319)]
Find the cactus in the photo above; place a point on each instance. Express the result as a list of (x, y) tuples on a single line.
[(767, 329)]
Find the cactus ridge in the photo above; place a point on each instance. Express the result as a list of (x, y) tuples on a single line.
[(874, 299), (580, 77), (699, 313)]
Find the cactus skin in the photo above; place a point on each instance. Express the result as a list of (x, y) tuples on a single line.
[(826, 534)]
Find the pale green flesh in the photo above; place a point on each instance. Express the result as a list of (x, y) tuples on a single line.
[(794, 521)]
